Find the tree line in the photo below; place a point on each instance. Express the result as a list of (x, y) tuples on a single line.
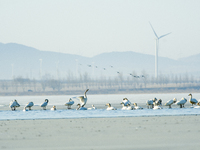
[(134, 81)]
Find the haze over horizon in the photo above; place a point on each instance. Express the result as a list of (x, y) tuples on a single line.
[(92, 27)]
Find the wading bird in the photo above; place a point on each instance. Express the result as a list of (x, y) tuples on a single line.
[(83, 99), (14, 104), (44, 105)]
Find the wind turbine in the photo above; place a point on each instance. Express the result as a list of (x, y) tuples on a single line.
[(156, 50)]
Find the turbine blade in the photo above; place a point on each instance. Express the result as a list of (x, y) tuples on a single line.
[(153, 30), (164, 35)]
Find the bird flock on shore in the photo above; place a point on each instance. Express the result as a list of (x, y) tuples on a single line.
[(126, 104)]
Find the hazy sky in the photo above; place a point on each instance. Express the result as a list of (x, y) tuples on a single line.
[(91, 27)]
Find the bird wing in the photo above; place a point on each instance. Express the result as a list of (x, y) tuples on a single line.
[(169, 102), (43, 104), (82, 100), (126, 102), (181, 102), (75, 98), (194, 100), (30, 104), (12, 104), (150, 102), (70, 103)]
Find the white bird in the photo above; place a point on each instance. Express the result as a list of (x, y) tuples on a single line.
[(123, 106), (149, 104), (181, 102), (83, 99), (109, 107), (44, 105), (159, 102), (25, 109), (70, 103), (198, 105), (170, 102), (154, 102), (136, 106), (14, 104), (157, 107), (129, 107), (92, 107), (53, 108), (80, 107), (126, 101), (192, 100), (29, 105)]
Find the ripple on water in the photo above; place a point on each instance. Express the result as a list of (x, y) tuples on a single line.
[(98, 113)]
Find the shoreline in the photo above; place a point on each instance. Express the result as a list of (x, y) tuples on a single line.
[(181, 115)]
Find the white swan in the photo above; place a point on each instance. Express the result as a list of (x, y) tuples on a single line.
[(181, 102), (83, 99), (44, 105), (192, 100), (80, 107), (136, 106), (29, 105), (70, 103), (109, 107), (170, 102), (123, 106), (157, 107), (129, 107), (149, 104), (92, 107), (53, 108), (198, 105), (25, 109), (126, 101), (13, 104), (159, 102)]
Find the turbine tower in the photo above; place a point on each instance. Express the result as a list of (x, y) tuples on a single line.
[(156, 50)]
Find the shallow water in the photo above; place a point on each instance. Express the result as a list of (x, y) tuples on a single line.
[(99, 101)]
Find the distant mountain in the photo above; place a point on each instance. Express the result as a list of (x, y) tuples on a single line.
[(28, 61)]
